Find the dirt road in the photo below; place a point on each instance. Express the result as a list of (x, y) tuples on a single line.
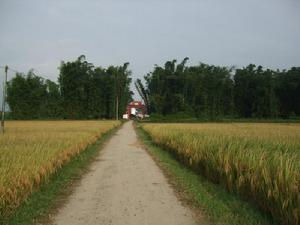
[(124, 186)]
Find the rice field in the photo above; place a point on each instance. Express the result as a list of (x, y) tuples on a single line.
[(260, 162), (30, 151)]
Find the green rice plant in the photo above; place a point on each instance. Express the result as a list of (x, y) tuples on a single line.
[(260, 162)]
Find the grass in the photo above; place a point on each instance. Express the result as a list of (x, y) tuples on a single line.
[(256, 161), (36, 157)]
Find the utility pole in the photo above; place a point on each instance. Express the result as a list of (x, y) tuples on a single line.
[(117, 94), (4, 99), (117, 108)]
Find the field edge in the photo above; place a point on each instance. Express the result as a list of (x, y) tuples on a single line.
[(219, 206), (40, 203)]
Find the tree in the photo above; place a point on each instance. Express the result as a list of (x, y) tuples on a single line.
[(89, 92), (26, 96), (52, 104), (255, 92), (143, 93), (74, 84), (201, 90), (288, 92)]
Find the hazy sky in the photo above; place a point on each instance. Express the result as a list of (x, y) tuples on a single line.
[(39, 34)]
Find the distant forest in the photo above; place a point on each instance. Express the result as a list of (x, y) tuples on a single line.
[(203, 91), (83, 91), (208, 91)]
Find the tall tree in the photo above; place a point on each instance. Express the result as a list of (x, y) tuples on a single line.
[(26, 95), (143, 93), (89, 92), (52, 104), (201, 90), (212, 91), (287, 89), (74, 83)]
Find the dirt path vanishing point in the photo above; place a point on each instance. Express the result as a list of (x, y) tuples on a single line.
[(123, 186)]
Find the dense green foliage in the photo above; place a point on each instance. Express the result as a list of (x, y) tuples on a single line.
[(201, 91), (31, 96), (83, 92), (208, 91)]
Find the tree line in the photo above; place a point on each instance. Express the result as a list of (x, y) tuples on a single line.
[(83, 91), (209, 91)]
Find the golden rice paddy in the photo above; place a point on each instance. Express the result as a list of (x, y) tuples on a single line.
[(30, 151), (260, 162)]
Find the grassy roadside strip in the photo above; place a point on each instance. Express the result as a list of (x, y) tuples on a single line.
[(220, 206), (39, 204)]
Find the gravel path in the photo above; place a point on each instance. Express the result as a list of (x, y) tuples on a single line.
[(124, 186)]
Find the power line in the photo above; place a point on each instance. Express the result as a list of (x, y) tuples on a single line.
[(14, 70), (9, 68), (17, 71)]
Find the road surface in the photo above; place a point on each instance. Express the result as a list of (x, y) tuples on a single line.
[(123, 186)]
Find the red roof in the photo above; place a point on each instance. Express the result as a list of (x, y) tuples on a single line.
[(136, 103)]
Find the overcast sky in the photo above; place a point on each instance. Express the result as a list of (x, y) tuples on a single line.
[(39, 34)]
